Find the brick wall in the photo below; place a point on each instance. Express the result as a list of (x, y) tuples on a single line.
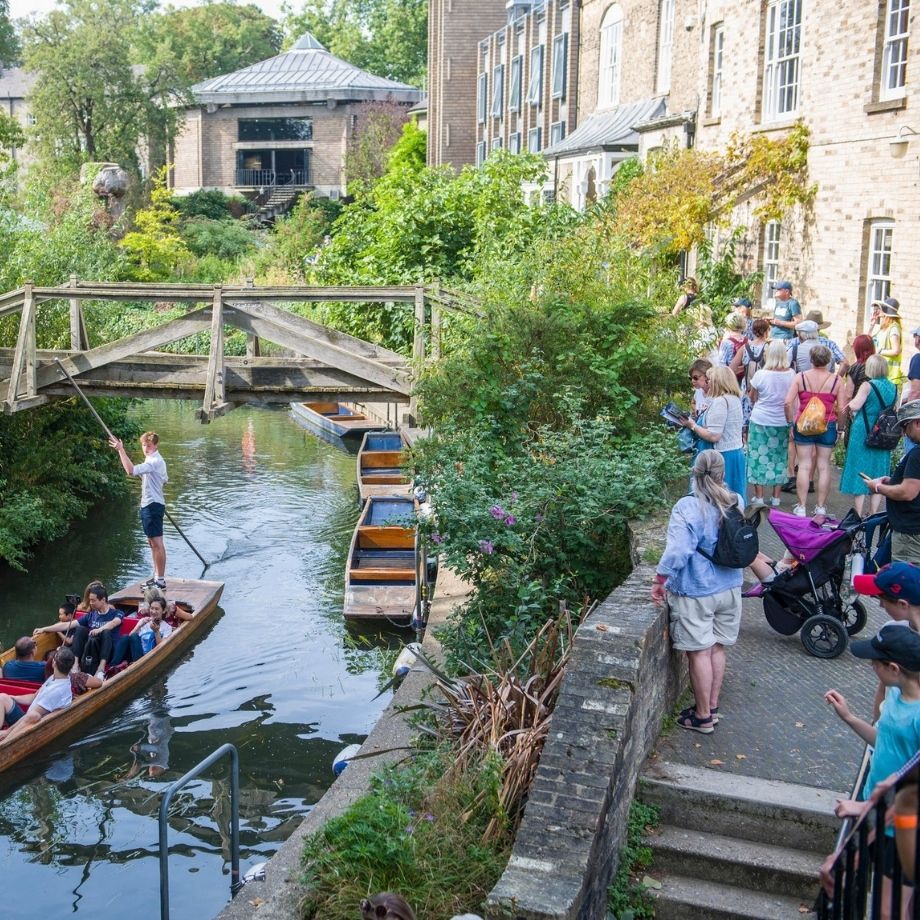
[(621, 680)]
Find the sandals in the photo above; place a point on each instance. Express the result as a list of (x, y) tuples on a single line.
[(691, 711), (688, 719)]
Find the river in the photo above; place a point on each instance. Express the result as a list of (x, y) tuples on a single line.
[(278, 675)]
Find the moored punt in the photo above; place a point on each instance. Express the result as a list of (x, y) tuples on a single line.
[(333, 420), (382, 466), (381, 572), (198, 597)]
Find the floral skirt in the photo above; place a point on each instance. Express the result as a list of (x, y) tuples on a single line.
[(766, 452)]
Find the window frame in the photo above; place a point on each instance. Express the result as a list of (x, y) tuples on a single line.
[(892, 40), (306, 122), (480, 153), (496, 144), (535, 132), (718, 58), (666, 16), (560, 65), (498, 90), (535, 83), (878, 273), (556, 132), (482, 96), (611, 58), (514, 89), (782, 75), (772, 238), (514, 142)]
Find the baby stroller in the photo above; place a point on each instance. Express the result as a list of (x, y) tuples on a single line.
[(807, 597)]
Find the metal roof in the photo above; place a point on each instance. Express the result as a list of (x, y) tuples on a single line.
[(610, 130), (305, 73)]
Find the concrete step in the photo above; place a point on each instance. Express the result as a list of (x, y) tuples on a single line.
[(749, 808), (759, 867), (684, 898)]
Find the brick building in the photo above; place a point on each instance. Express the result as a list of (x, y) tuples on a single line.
[(643, 72), (282, 122)]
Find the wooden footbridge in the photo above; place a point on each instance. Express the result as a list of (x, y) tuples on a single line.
[(317, 363)]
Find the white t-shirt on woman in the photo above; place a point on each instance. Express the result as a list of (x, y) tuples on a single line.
[(772, 387)]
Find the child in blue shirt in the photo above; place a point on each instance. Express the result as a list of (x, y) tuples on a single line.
[(895, 657)]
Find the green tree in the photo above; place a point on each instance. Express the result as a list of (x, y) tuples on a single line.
[(88, 102), (368, 152), (387, 37), (9, 41)]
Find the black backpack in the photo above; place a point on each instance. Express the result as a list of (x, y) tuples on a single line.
[(737, 544), (886, 433)]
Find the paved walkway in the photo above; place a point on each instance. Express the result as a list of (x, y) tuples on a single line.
[(774, 721)]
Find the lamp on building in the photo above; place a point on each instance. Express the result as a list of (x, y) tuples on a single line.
[(898, 144)]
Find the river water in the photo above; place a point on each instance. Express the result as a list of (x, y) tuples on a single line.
[(278, 675)]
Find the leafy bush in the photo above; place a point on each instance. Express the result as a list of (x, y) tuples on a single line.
[(225, 239), (210, 203), (627, 897), (416, 833)]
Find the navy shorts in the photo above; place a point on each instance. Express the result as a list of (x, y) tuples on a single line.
[(152, 519), (14, 715), (828, 439)]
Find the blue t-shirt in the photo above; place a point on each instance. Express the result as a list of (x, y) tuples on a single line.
[(897, 739), (94, 619), (785, 310), (24, 670)]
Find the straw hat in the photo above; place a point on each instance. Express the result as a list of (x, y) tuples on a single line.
[(889, 306)]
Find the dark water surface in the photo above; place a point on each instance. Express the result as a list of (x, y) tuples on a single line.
[(276, 675)]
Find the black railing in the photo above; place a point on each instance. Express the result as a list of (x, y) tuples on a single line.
[(854, 883), (269, 178)]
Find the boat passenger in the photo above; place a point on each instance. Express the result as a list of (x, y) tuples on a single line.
[(54, 694), (65, 624), (95, 633), (146, 635), (83, 606), (79, 682), (24, 666)]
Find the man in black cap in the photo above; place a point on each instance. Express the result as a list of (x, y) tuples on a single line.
[(786, 310), (902, 491), (742, 306)]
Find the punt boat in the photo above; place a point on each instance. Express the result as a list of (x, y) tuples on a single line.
[(382, 466), (333, 420), (381, 573), (197, 597)]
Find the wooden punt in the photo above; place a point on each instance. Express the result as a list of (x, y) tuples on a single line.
[(382, 466), (333, 419), (381, 572), (200, 597)]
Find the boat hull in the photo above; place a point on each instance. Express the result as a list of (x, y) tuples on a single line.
[(203, 595), (381, 468), (334, 426)]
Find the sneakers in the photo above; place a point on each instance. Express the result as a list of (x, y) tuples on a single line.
[(775, 502), (160, 583), (149, 583), (820, 511), (756, 502), (799, 511)]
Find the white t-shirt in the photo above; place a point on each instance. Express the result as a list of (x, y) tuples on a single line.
[(724, 416), (146, 634), (153, 477), (700, 399), (772, 387), (54, 693)]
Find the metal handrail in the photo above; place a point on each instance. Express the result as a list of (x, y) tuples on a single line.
[(235, 885)]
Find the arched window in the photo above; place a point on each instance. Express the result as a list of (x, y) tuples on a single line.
[(608, 88)]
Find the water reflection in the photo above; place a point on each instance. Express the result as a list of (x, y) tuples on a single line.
[(277, 674)]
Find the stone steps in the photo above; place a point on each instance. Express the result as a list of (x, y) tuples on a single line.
[(734, 846)]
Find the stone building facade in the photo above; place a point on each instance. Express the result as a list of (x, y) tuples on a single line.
[(283, 122), (647, 72)]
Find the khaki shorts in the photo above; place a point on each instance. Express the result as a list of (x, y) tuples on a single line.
[(698, 623), (905, 547)]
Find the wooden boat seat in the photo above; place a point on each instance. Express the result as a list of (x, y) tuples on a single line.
[(372, 459), (382, 565), (19, 687), (345, 417), (394, 478), (374, 537), (383, 573)]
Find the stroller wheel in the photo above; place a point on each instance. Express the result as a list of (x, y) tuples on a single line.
[(854, 617), (823, 636)]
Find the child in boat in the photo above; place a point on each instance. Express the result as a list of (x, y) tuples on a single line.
[(66, 615)]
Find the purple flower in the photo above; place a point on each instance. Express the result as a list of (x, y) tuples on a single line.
[(510, 520), (410, 830), (497, 512), (487, 547), (538, 518), (429, 817), (437, 538), (514, 497)]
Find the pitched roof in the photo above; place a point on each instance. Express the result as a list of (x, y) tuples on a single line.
[(610, 130), (305, 73), (16, 83)]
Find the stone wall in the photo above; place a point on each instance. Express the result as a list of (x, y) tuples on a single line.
[(622, 679)]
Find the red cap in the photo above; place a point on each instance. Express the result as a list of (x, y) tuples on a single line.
[(865, 584)]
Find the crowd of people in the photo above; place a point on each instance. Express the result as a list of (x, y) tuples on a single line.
[(770, 405), (92, 647)]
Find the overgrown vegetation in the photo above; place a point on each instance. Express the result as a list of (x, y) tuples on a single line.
[(627, 897)]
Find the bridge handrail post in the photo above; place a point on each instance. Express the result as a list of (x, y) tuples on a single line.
[(418, 345), (196, 771)]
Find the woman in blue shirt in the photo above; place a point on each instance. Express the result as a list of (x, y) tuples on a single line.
[(704, 599)]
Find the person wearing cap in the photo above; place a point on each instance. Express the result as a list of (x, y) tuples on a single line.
[(901, 491), (799, 348), (897, 587), (743, 306), (786, 310), (889, 338)]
